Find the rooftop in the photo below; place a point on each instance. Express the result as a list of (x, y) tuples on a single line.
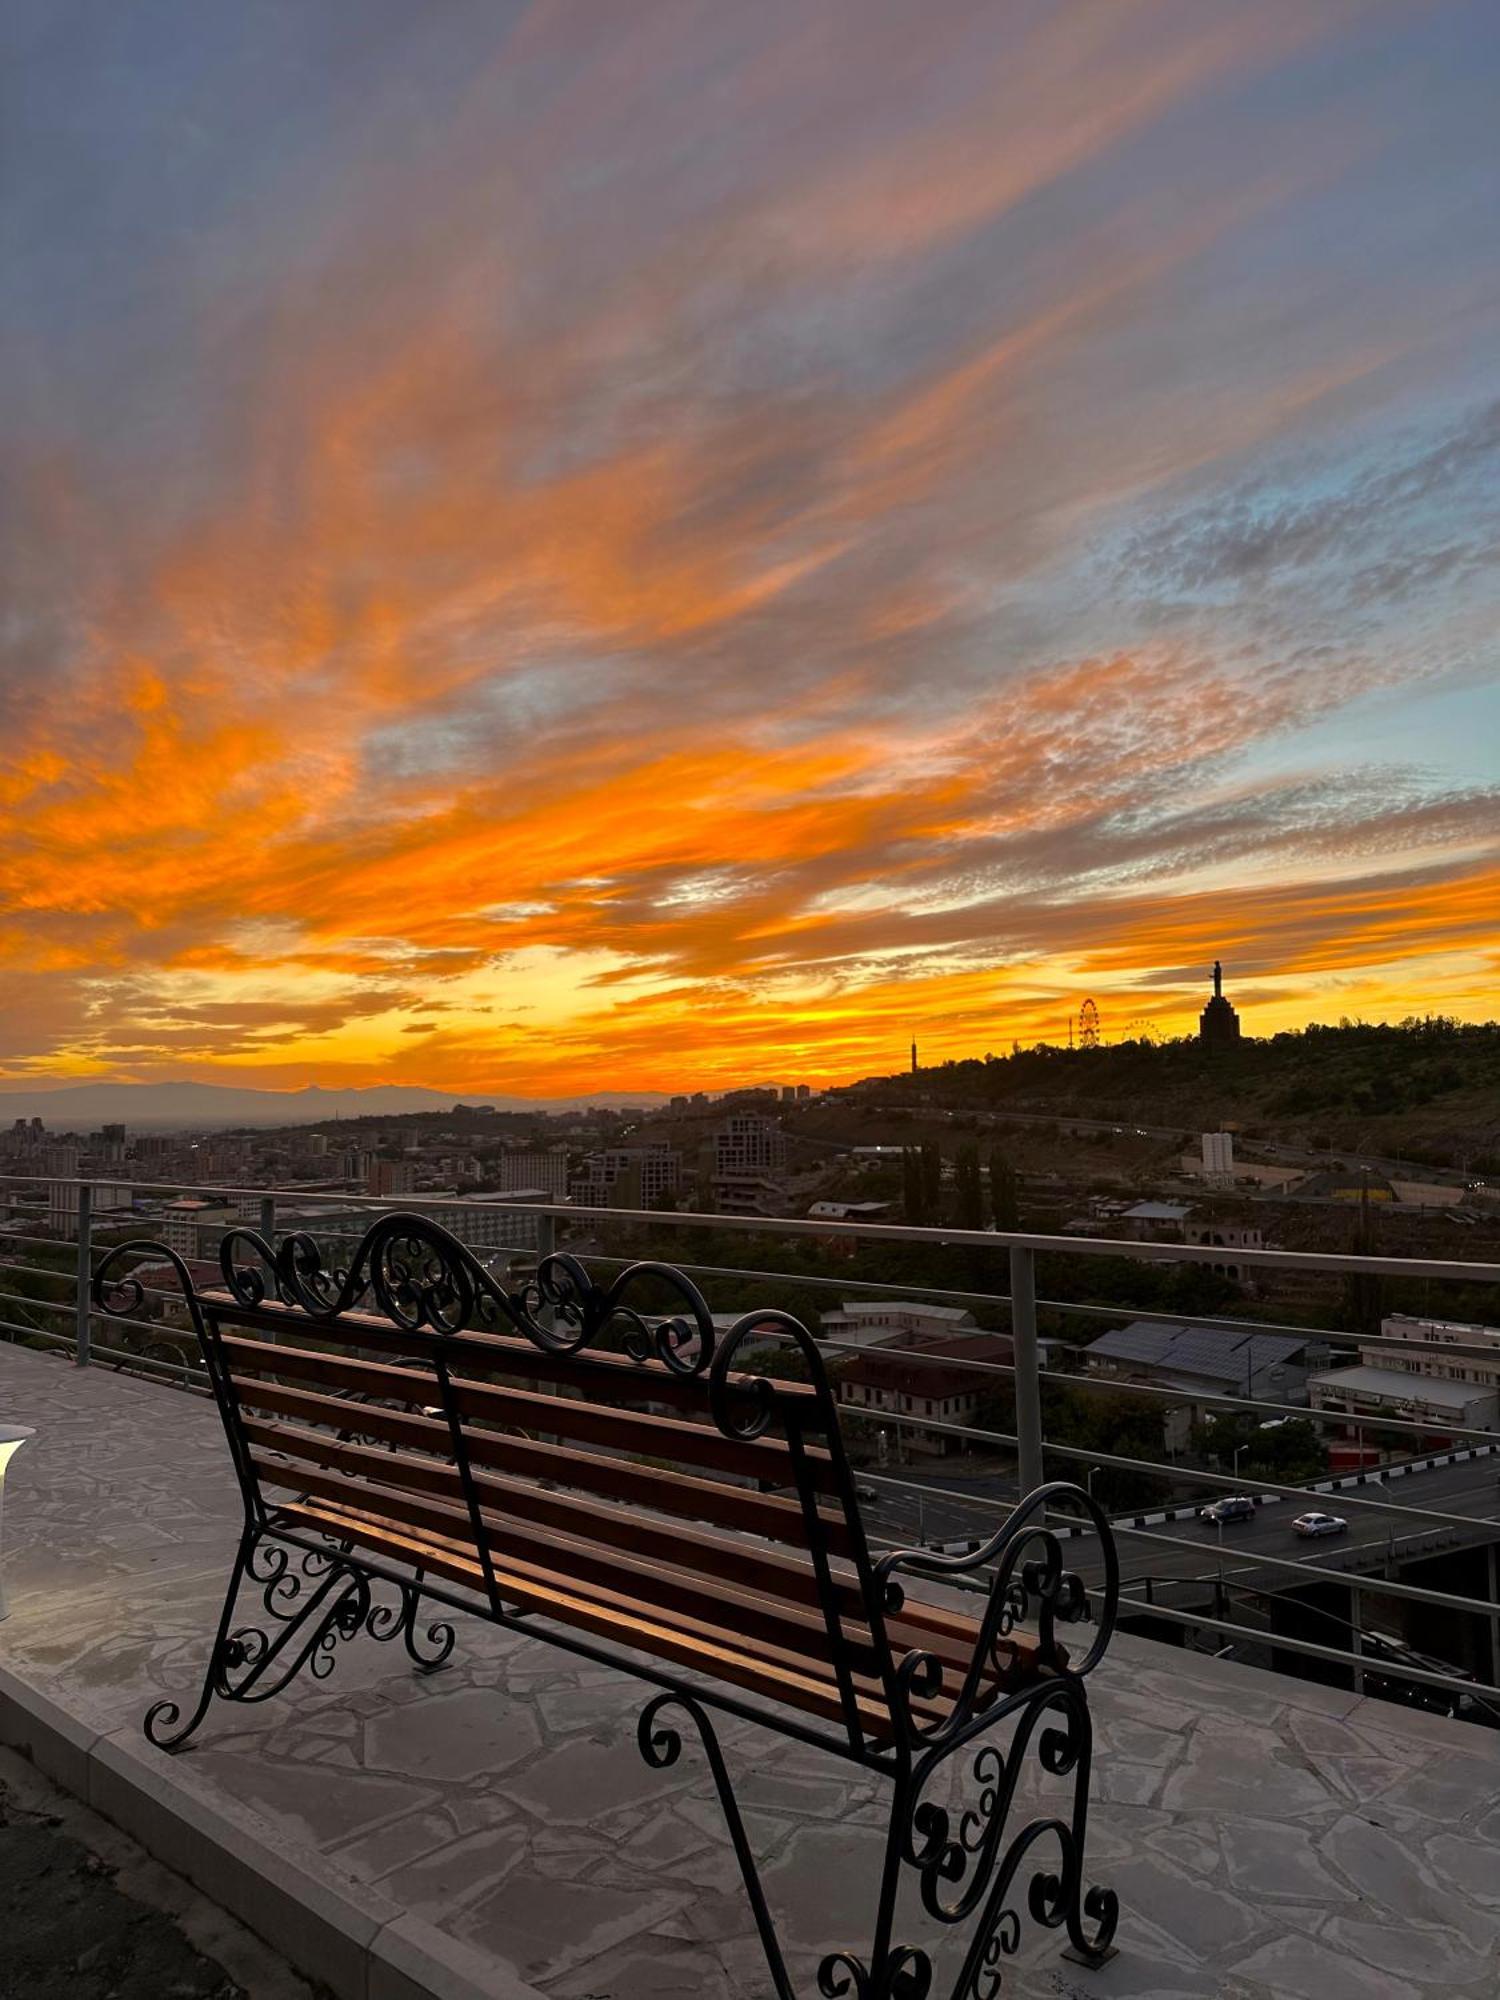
[(1270, 1839), (1216, 1352), (1432, 1391)]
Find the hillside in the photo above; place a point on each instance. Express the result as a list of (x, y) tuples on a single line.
[(1427, 1090)]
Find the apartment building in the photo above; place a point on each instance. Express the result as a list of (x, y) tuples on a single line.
[(628, 1177)]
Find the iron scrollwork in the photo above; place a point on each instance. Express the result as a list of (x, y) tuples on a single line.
[(422, 1278), (310, 1607), (251, 1663), (973, 1865)]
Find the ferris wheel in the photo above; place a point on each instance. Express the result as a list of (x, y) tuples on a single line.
[(1088, 1026)]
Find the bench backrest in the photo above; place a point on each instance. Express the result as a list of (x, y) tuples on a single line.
[(562, 1436)]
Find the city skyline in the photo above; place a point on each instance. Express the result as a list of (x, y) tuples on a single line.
[(549, 553)]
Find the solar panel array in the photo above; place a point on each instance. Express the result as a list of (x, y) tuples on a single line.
[(1209, 1351)]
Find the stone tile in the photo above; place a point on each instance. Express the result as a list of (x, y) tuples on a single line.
[(447, 1880), (1472, 1866), (546, 1928), (661, 1970), (1127, 1784), (1271, 1858), (1298, 1968), (585, 1778), (1208, 1922), (1395, 1880), (393, 1846), (318, 1805), (470, 1733), (1439, 1959), (1243, 1770)]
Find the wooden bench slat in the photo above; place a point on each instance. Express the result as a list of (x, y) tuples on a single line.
[(630, 1530), (611, 1377), (702, 1603), (680, 1494), (637, 1432), (799, 1686)]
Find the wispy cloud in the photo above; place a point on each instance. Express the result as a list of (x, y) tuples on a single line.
[(716, 533)]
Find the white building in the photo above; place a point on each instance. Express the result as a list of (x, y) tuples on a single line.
[(1422, 1381), (1218, 1158), (1441, 1404), (106, 1198), (192, 1224), (878, 1322)]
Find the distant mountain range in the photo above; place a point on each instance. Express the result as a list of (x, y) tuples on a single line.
[(82, 1107)]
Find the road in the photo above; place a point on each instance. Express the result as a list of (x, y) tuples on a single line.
[(904, 1518)]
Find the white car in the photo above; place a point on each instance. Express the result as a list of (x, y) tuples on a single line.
[(1320, 1524)]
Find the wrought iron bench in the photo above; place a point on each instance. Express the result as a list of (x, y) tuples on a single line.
[(407, 1432)]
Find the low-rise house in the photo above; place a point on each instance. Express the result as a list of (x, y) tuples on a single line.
[(931, 1380), (1441, 1404), (1423, 1381), (1203, 1360), (887, 1322)]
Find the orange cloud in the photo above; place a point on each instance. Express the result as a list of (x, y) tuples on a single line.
[(699, 619)]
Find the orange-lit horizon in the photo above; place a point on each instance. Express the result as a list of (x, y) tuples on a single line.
[(688, 553)]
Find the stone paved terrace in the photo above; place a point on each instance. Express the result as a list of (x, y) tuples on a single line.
[(1267, 1838)]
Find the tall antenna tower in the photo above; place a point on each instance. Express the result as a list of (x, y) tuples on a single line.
[(1088, 1026)]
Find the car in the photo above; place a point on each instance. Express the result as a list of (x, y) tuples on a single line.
[(1233, 1507), (1319, 1524)]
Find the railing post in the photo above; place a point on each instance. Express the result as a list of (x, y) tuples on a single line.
[(1024, 1360), (82, 1322), (546, 1245)]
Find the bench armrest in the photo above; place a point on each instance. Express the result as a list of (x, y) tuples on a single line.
[(1030, 1585)]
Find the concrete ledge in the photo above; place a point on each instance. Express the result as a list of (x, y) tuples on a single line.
[(352, 1938)]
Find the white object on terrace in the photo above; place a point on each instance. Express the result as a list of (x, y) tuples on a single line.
[(12, 1437)]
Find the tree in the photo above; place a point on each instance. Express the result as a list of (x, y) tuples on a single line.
[(1363, 1303), (932, 1179), (913, 1193), (969, 1187), (1005, 1192)]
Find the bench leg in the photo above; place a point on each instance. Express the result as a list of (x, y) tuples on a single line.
[(970, 1869), (310, 1613), (661, 1745)]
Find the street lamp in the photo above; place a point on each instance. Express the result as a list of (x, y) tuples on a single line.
[(12, 1437), (1237, 1450), (1088, 1481)]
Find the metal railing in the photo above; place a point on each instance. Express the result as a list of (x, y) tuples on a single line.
[(1019, 1306)]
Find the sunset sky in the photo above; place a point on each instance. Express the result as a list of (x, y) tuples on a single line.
[(572, 546)]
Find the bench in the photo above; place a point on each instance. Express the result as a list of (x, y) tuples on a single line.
[(590, 1464)]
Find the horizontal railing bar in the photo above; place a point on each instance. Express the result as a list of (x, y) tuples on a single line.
[(65, 1245), (1213, 1323), (36, 1333), (887, 1232), (1108, 1385), (1123, 1530), (1313, 1570), (1284, 1642), (1362, 1585), (68, 1306), (1103, 1459)]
